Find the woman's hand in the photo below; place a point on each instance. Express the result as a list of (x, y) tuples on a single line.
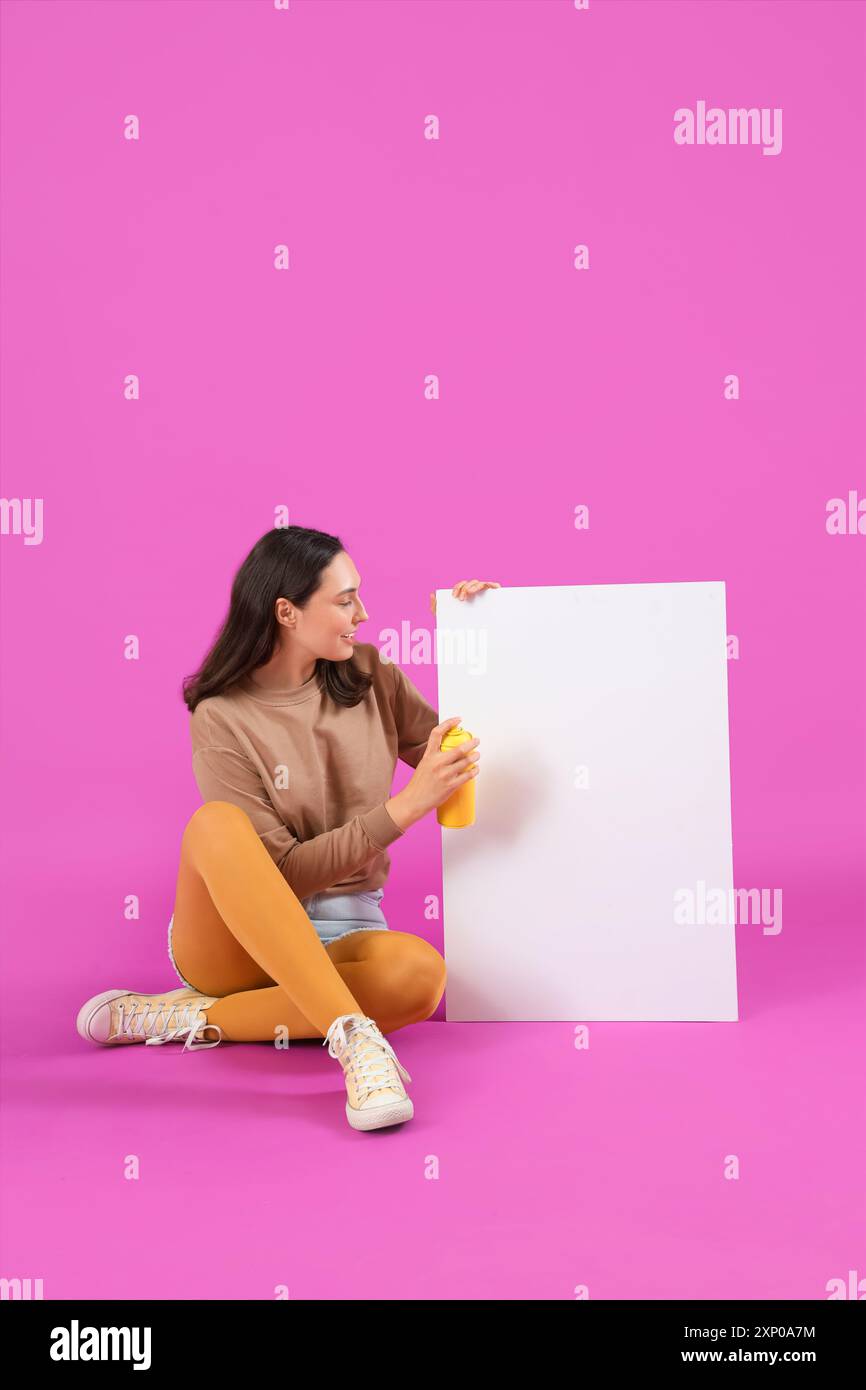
[(438, 774), (466, 588)]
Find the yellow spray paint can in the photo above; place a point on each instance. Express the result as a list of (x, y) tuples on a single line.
[(459, 809)]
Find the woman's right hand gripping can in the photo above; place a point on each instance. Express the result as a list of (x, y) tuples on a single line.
[(459, 809)]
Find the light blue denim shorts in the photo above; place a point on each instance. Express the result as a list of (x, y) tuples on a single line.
[(333, 917), (338, 915)]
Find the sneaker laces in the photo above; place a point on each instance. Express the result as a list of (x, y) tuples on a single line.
[(372, 1067), (179, 1018)]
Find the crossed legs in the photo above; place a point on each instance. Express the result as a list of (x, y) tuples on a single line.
[(241, 933)]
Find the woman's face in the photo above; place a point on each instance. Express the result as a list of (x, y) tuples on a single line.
[(334, 610)]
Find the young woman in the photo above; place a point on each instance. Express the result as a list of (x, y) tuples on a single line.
[(277, 926)]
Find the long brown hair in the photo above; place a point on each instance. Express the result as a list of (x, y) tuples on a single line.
[(285, 563)]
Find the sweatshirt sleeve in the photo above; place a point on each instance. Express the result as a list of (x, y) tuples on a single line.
[(225, 773), (415, 718)]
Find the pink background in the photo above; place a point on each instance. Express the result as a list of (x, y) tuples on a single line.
[(305, 388)]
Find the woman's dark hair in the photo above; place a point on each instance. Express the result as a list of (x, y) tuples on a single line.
[(285, 563)]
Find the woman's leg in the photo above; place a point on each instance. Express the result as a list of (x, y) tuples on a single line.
[(397, 979), (241, 933)]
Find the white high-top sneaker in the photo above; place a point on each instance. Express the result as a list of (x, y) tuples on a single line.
[(375, 1093), (118, 1016)]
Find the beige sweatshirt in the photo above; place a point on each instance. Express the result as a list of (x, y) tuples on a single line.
[(313, 776)]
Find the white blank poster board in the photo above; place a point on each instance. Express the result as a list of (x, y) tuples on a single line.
[(603, 804)]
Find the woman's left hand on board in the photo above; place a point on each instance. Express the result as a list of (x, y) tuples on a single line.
[(466, 588)]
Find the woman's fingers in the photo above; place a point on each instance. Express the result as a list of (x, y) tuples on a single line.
[(467, 587)]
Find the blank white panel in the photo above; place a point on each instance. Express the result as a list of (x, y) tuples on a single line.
[(559, 903)]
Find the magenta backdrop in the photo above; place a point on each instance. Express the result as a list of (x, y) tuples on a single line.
[(304, 388)]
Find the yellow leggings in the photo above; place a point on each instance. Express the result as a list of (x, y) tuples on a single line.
[(240, 933)]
